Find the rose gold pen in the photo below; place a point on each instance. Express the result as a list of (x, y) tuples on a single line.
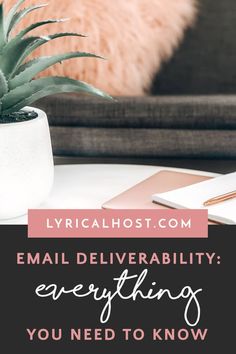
[(220, 198)]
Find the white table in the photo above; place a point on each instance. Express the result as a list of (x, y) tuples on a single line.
[(89, 186)]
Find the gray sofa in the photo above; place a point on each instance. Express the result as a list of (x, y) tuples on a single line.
[(188, 121)]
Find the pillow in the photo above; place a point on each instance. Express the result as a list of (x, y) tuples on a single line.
[(135, 36)]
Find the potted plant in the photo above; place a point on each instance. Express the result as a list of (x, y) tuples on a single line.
[(26, 160)]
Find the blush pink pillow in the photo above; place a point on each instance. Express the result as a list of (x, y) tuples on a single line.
[(135, 36)]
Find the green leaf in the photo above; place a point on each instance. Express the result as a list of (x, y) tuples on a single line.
[(36, 25), (43, 63), (21, 14), (25, 66), (2, 31), (13, 54), (33, 91), (3, 85), (12, 13), (39, 42)]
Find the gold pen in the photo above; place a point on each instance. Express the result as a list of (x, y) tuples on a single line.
[(220, 198)]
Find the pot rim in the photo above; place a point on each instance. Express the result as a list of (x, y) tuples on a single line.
[(41, 115)]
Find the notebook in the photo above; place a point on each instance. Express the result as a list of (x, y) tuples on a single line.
[(193, 197), (140, 195)]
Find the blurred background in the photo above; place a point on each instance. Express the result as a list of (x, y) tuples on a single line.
[(205, 62), (172, 65)]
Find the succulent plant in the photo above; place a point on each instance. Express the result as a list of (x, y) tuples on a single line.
[(18, 86)]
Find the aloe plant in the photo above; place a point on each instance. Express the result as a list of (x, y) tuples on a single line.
[(18, 86)]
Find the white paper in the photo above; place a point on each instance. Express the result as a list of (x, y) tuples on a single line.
[(193, 197)]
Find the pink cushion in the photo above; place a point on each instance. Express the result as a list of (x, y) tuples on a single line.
[(136, 36)]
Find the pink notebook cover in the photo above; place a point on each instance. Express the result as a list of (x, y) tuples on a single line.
[(140, 196)]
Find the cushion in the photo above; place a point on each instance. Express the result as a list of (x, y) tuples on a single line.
[(136, 36)]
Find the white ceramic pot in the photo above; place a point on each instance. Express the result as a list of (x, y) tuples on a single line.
[(26, 165)]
